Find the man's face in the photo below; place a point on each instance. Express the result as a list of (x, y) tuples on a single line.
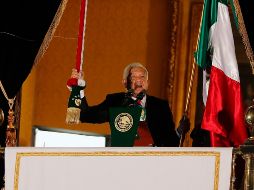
[(138, 80)]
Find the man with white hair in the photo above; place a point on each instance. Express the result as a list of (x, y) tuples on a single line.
[(156, 127)]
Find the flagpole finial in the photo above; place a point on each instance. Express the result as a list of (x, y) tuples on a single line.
[(249, 118)]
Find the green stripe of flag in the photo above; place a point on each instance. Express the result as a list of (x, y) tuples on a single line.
[(209, 17), (234, 13)]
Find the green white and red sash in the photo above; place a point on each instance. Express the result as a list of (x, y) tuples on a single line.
[(80, 46), (76, 85)]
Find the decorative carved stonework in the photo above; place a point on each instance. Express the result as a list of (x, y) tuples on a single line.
[(185, 22), (195, 18), (172, 53)]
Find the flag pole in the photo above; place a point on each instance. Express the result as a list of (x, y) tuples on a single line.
[(192, 72), (188, 101), (190, 88)]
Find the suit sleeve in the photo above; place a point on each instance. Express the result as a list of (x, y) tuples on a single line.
[(100, 113), (170, 136), (94, 114), (161, 123)]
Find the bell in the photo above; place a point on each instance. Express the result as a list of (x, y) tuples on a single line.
[(249, 118), (247, 150)]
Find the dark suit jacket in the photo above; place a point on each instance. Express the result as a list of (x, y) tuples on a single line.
[(158, 116)]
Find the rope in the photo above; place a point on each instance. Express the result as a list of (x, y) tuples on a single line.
[(10, 100), (244, 35), (51, 31), (190, 88)]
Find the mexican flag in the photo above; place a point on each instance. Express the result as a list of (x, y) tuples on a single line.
[(224, 114)]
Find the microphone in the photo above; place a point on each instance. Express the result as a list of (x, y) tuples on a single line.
[(129, 93), (128, 101), (127, 97), (141, 95)]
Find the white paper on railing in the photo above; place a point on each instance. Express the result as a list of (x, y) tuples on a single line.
[(118, 168)]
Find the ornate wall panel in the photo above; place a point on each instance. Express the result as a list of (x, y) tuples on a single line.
[(174, 9), (196, 12), (185, 21)]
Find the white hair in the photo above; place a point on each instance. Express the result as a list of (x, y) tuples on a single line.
[(128, 68)]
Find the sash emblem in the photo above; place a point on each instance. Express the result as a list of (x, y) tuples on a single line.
[(123, 122)]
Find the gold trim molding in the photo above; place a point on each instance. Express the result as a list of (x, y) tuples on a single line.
[(172, 53)]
